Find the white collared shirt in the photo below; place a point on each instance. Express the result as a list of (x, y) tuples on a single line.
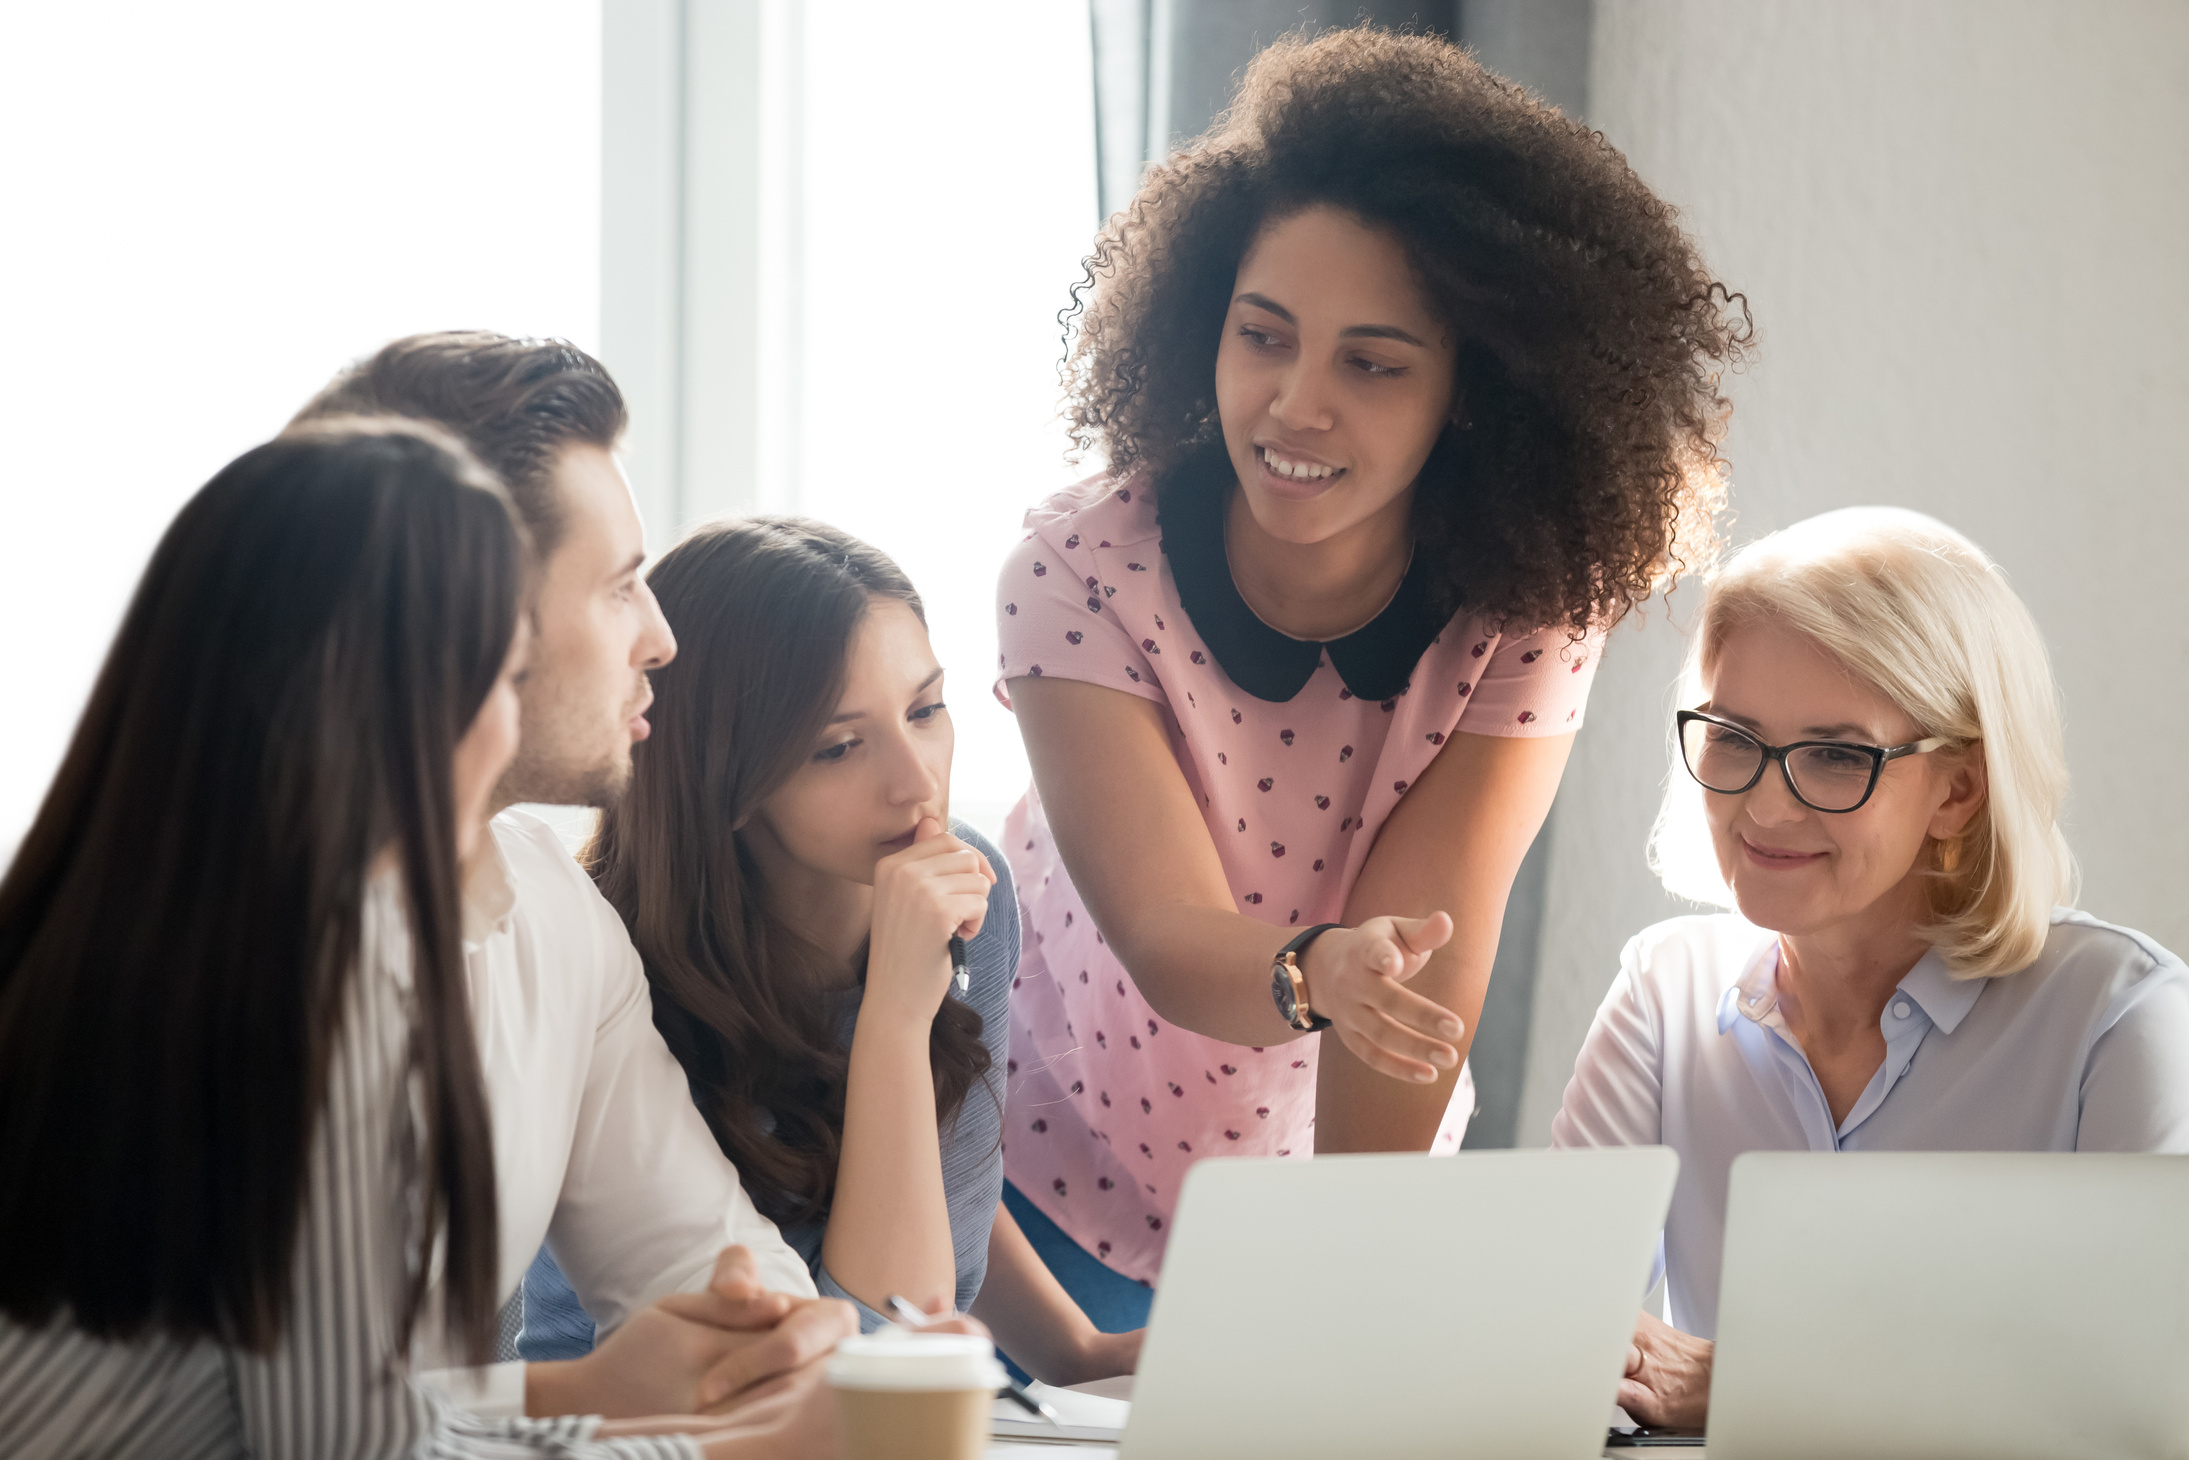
[(2087, 1049), (597, 1145)]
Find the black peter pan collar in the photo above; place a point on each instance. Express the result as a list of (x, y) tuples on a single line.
[(1375, 661)]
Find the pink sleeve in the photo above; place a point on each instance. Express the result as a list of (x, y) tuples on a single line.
[(1537, 685), (1052, 618)]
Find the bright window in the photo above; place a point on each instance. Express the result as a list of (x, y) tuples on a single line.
[(216, 206), (210, 208), (948, 186)]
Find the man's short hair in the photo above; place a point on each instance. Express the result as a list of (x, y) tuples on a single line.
[(517, 403)]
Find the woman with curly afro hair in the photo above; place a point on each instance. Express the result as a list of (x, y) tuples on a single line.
[(1408, 389)]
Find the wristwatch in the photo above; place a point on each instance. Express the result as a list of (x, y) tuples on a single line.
[(1288, 983)]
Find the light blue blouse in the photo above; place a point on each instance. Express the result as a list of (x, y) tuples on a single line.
[(2086, 1049)]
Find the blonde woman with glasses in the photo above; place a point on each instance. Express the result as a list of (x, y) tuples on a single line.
[(1872, 768)]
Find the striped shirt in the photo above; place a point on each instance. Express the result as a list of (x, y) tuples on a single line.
[(335, 1386)]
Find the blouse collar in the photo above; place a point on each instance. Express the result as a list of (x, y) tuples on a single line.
[(1375, 661), (1944, 999)]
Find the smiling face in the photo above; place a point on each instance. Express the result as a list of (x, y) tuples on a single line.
[(1334, 376), (881, 764), (1803, 872)]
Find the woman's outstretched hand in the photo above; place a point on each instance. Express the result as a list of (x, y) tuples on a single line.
[(925, 895), (1355, 979)]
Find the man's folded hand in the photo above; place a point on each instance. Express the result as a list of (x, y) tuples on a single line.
[(730, 1345)]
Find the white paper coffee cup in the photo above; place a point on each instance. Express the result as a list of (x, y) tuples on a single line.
[(914, 1396)]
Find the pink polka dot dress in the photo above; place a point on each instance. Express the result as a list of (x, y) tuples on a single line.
[(1108, 1105)]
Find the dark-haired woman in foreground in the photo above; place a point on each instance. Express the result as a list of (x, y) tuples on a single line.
[(787, 865), (1407, 390), (242, 1133)]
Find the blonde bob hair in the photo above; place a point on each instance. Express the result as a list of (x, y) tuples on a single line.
[(1918, 612)]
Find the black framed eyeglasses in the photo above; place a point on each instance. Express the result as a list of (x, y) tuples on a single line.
[(1832, 776)]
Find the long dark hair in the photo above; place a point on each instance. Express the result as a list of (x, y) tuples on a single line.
[(312, 637), (763, 609)]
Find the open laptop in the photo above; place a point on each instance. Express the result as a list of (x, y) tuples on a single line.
[(1935, 1307), (1399, 1305)]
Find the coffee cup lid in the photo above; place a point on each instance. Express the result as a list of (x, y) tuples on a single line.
[(892, 1358)]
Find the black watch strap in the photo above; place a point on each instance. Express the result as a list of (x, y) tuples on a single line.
[(1307, 936), (1291, 951)]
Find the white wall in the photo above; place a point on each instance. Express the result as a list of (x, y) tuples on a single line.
[(1961, 224), (205, 210)]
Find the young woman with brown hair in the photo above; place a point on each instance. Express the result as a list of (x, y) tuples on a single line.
[(1407, 387), (788, 869)]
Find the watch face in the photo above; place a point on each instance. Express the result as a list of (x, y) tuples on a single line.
[(1280, 988)]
